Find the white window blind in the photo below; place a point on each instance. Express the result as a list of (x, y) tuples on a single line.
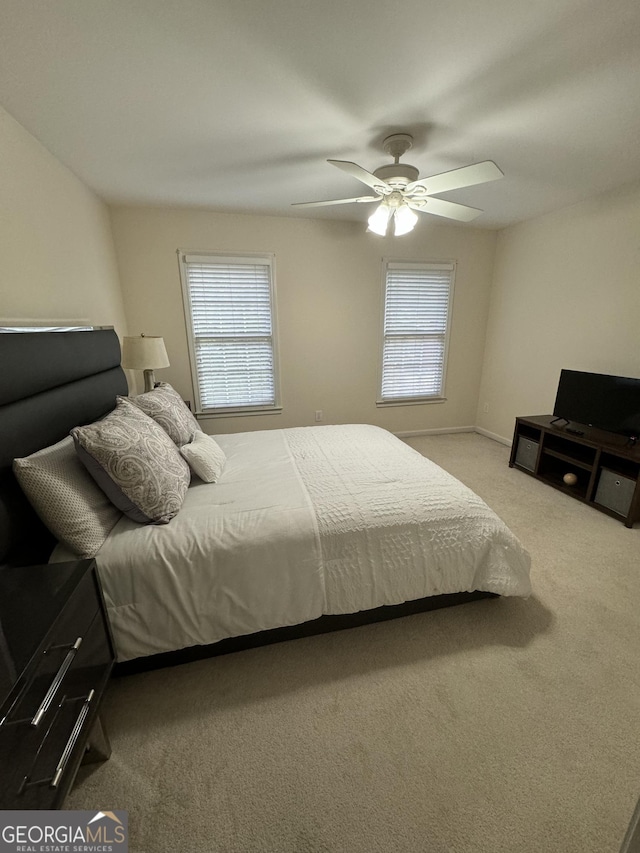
[(417, 299), (229, 305)]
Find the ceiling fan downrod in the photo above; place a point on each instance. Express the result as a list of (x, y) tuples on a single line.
[(397, 174)]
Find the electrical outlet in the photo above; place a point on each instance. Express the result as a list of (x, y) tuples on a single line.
[(319, 416), (485, 408)]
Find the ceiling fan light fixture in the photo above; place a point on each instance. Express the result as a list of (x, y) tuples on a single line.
[(400, 191), (379, 219), (404, 220)]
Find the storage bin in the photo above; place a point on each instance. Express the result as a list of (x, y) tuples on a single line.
[(527, 453), (615, 491)]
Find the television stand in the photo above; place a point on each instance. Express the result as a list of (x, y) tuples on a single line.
[(599, 468)]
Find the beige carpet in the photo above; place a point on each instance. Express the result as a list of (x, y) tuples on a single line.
[(502, 725)]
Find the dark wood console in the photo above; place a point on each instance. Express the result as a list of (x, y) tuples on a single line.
[(56, 655), (599, 468)]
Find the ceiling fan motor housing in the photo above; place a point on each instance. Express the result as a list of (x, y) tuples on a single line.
[(399, 174)]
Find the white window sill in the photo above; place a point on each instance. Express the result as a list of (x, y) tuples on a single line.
[(382, 404), (238, 413)]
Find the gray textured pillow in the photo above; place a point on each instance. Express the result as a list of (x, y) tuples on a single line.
[(70, 504), (168, 409), (205, 457), (135, 463)]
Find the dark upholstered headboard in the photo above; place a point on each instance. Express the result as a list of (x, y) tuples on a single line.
[(49, 383)]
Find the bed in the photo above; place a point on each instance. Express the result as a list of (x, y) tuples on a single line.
[(306, 529)]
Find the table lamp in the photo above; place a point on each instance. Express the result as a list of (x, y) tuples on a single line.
[(146, 353)]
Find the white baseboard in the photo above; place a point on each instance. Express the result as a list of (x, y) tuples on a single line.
[(441, 431), (499, 438), (447, 430)]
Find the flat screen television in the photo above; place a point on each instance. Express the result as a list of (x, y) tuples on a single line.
[(607, 402)]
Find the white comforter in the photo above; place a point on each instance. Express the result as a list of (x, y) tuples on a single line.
[(303, 522)]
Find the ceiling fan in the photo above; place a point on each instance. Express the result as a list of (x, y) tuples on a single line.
[(400, 192)]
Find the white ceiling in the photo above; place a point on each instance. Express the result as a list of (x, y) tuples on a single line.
[(235, 105)]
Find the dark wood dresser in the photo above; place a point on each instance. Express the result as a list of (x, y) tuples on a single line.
[(56, 655)]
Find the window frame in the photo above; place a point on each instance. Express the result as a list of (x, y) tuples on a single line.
[(268, 259), (390, 263)]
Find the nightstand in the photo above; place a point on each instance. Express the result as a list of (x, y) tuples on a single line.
[(56, 655)]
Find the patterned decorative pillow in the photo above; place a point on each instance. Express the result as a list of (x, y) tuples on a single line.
[(205, 457), (135, 463), (167, 408), (66, 498)]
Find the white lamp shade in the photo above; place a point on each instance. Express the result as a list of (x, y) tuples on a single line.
[(379, 219), (144, 353), (404, 220)]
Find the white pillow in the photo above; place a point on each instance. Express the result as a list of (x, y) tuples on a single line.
[(66, 498), (205, 457)]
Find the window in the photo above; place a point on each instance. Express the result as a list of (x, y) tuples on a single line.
[(229, 307), (9, 326), (417, 308)]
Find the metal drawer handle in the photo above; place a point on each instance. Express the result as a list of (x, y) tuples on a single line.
[(55, 684), (71, 743)]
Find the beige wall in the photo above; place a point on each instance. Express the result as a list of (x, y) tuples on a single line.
[(58, 257), (566, 294), (328, 278)]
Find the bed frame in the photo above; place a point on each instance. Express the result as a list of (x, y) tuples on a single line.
[(53, 381)]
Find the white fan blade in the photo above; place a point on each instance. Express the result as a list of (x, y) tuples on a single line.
[(440, 207), (364, 198), (361, 174), (467, 176)]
